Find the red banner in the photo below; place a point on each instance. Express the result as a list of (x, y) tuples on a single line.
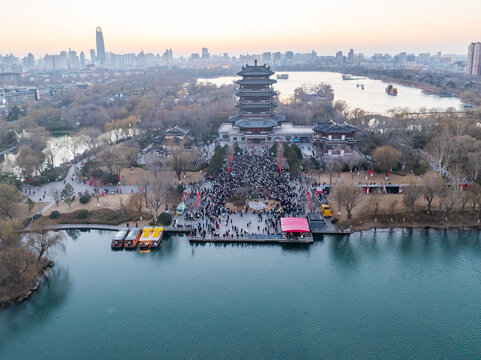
[(309, 201), (197, 201)]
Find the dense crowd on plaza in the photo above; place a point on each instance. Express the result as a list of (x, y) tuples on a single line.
[(251, 176)]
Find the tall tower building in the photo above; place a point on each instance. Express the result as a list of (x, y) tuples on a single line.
[(82, 59), (92, 56), (257, 117), (205, 53), (474, 59), (100, 45)]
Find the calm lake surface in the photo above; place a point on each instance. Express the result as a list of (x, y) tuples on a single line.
[(367, 296), (372, 99)]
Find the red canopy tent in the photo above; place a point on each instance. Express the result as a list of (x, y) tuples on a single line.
[(294, 224)]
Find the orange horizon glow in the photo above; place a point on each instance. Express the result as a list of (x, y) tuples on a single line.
[(246, 26)]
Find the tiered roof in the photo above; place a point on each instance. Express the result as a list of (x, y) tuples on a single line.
[(256, 103)]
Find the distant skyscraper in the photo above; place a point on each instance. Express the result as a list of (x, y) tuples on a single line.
[(474, 59), (100, 45), (350, 56), (205, 53), (82, 59), (30, 60), (92, 56), (339, 58)]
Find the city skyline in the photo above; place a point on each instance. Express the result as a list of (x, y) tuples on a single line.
[(325, 28)]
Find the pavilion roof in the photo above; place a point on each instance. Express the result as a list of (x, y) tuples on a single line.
[(259, 81), (256, 70), (262, 123), (335, 127)]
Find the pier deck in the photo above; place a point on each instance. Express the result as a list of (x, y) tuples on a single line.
[(268, 239)]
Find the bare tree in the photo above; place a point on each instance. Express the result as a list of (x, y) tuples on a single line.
[(440, 149), (387, 157), (432, 184), (10, 197), (51, 151), (474, 190), (156, 196), (136, 203), (179, 160), (91, 139), (375, 201), (449, 201), (350, 197), (410, 195), (97, 190), (42, 239), (56, 194), (143, 188), (392, 205), (74, 144)]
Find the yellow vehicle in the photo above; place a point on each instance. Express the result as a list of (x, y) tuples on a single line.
[(326, 210)]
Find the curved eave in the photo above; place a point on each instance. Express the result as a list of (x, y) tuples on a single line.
[(256, 106), (256, 73), (256, 93), (256, 82)]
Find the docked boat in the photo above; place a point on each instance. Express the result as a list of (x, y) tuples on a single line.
[(283, 76), (144, 241), (119, 238), (156, 237), (132, 238), (391, 90)]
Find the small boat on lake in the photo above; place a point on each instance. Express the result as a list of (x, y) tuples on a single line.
[(144, 241), (119, 238), (391, 90), (283, 76), (156, 237), (132, 238)]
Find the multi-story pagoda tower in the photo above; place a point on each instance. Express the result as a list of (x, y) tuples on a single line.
[(256, 104)]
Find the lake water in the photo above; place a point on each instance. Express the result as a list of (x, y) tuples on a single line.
[(367, 296), (372, 99)]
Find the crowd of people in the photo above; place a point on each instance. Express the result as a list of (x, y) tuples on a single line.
[(250, 176)]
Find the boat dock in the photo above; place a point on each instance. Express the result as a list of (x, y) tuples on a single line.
[(254, 239)]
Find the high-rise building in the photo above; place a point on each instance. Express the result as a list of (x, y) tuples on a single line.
[(474, 59), (100, 45), (82, 59), (339, 58), (266, 57), (73, 60), (350, 57), (205, 53), (92, 56)]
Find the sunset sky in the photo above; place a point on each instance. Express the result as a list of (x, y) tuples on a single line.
[(243, 26)]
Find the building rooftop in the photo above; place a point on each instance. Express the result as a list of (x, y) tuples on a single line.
[(333, 127), (256, 70), (263, 123)]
